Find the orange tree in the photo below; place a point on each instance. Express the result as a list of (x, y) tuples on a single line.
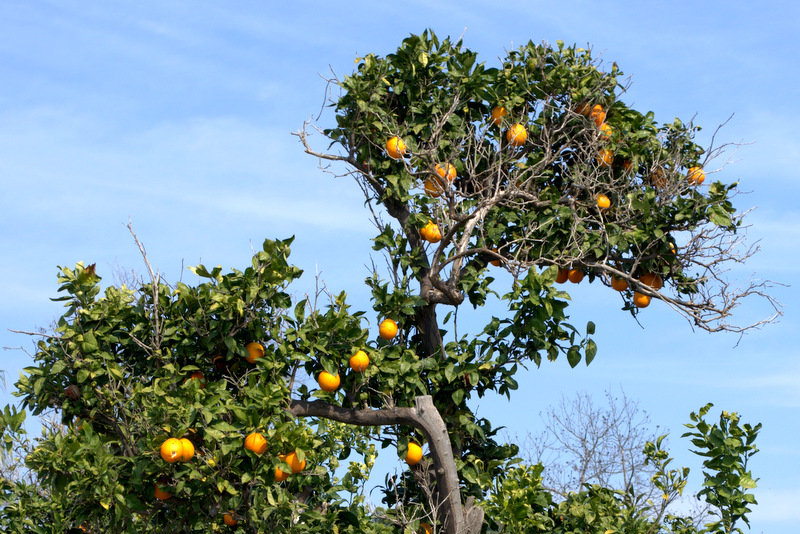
[(536, 167)]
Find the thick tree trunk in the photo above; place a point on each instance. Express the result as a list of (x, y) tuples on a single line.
[(429, 330), (426, 418)]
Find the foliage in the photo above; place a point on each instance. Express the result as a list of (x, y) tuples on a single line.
[(727, 447)]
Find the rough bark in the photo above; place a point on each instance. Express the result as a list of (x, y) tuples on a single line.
[(426, 418)]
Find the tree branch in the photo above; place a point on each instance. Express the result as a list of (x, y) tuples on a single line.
[(425, 417)]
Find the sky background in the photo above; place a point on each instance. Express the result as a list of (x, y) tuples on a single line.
[(178, 115)]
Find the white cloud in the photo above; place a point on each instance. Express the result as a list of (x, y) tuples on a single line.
[(62, 165)]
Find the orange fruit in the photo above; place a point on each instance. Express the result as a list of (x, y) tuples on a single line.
[(605, 157), (494, 262), (328, 382), (627, 165), (516, 135), (426, 528), (433, 187), (603, 202), (255, 443), (254, 351), (447, 172), (160, 494), (673, 248), (584, 109), (598, 115), (387, 329), (652, 280), (619, 284), (497, 114), (294, 462), (414, 454), (575, 276), (198, 375), (229, 519), (395, 147), (562, 276), (431, 233), (219, 362), (641, 300), (696, 175), (359, 361), (606, 131), (171, 450), (187, 450), (658, 179), (280, 476)]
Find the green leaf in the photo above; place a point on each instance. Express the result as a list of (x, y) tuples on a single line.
[(591, 351), (573, 356)]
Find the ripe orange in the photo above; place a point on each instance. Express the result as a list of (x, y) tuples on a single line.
[(254, 351), (431, 233), (652, 280), (516, 135), (359, 361), (187, 450), (605, 157), (280, 476), (255, 443), (696, 175), (497, 114), (433, 187), (426, 528), (160, 494), (641, 300), (447, 172), (229, 519), (414, 454), (603, 202), (495, 262), (219, 362), (294, 462), (198, 375), (598, 115), (328, 382), (387, 329), (618, 284), (627, 165), (575, 276), (606, 131), (673, 248), (395, 147), (658, 178), (562, 276), (171, 450), (584, 109)]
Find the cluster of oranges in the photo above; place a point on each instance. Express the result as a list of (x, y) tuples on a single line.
[(640, 300), (256, 443), (445, 174), (358, 361), (182, 449)]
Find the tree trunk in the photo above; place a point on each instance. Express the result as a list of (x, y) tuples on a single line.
[(429, 330), (426, 418)]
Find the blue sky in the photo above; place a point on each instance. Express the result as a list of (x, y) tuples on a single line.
[(178, 116)]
